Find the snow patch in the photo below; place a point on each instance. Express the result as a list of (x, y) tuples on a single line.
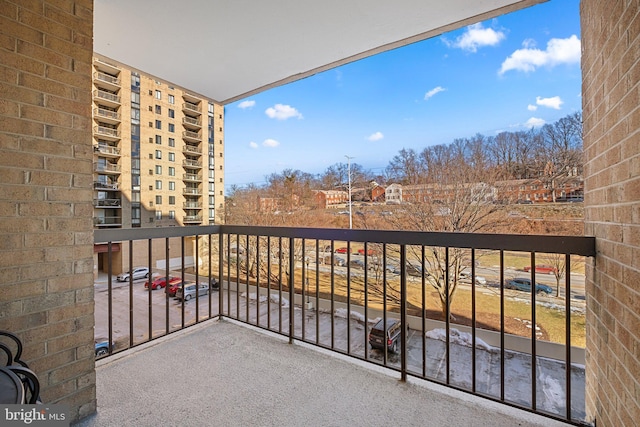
[(263, 298), (457, 337), (342, 312)]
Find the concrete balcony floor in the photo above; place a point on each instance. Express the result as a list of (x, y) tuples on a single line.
[(223, 373)]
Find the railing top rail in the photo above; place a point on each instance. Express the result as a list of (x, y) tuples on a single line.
[(576, 245)]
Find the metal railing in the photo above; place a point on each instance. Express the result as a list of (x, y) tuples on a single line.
[(103, 130), (191, 107), (328, 287), (103, 94), (191, 121), (104, 113)]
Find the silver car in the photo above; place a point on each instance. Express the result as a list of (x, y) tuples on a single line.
[(188, 291), (137, 273)]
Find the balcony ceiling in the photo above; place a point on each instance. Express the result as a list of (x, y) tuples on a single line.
[(227, 50)]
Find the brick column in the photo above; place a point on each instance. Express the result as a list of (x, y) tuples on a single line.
[(611, 113), (46, 262)]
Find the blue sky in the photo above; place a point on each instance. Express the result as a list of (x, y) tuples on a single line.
[(507, 74)]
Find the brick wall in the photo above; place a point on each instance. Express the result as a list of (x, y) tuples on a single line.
[(46, 286), (611, 113)]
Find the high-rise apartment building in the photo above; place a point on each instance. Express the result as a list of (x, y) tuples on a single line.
[(158, 160), (158, 151)]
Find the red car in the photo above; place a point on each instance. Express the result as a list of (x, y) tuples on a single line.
[(341, 250), (543, 268), (369, 251), (172, 289), (160, 282)]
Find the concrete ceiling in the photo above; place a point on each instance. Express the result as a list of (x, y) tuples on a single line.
[(229, 49)]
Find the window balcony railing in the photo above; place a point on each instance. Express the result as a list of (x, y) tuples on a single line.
[(107, 96), (106, 168), (107, 150), (192, 191), (193, 164), (192, 205), (106, 131), (191, 177), (106, 203), (186, 120), (191, 136), (191, 108), (106, 78), (106, 115), (191, 219), (104, 186), (107, 221), (191, 150), (301, 283)]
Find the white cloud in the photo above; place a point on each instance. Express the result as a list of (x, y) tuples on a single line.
[(553, 102), (532, 107), (527, 59), (534, 122), (253, 145), (433, 91), (246, 104), (270, 143), (377, 136), (282, 112), (476, 36)]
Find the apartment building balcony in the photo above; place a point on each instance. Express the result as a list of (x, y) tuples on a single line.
[(106, 203), (192, 177), (192, 164), (192, 219), (106, 116), (191, 150), (102, 186), (107, 150), (108, 133), (192, 191), (192, 205), (106, 168), (191, 123), (191, 136), (191, 109), (106, 98), (105, 67), (106, 81), (107, 221), (280, 294)]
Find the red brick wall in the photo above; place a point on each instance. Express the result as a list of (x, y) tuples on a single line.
[(611, 114), (46, 279)]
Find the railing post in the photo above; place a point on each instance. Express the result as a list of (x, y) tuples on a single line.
[(291, 288), (403, 314)]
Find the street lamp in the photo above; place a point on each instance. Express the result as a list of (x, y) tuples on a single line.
[(349, 177)]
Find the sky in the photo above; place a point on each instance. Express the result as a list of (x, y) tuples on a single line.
[(511, 73)]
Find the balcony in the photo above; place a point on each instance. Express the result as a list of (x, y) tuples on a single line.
[(192, 177), (191, 122), (190, 108), (106, 168), (192, 205), (285, 281), (107, 150), (106, 116), (104, 186), (192, 191), (106, 203), (192, 219), (106, 98), (191, 136), (107, 221), (191, 150), (107, 133), (106, 81), (192, 164), (106, 67)]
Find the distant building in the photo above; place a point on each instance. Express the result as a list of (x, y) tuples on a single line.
[(541, 191), (330, 198)]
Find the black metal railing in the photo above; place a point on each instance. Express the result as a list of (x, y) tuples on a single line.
[(328, 287)]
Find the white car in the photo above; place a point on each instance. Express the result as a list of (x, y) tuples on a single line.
[(137, 273)]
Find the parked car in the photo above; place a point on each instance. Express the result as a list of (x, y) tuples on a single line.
[(339, 261), (102, 348), (173, 288), (542, 268), (137, 273), (379, 336), (523, 284), (214, 284), (369, 251), (342, 250), (188, 291), (160, 282), (466, 278), (357, 264)]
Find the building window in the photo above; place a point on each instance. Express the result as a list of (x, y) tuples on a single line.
[(158, 124), (158, 109), (172, 171), (172, 200), (172, 185), (135, 80), (172, 214), (172, 142), (158, 154), (172, 114), (135, 115), (158, 170), (158, 184), (172, 100), (158, 139), (158, 214), (158, 200), (172, 127), (211, 108), (172, 157), (158, 94), (150, 171)]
